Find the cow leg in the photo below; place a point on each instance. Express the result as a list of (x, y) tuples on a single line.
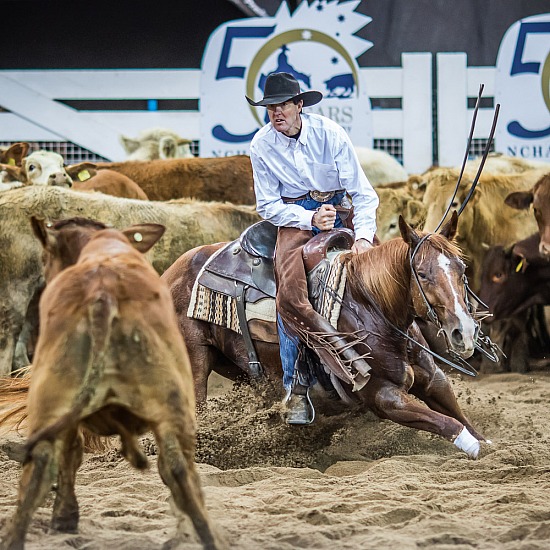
[(65, 514), (36, 481), (388, 400), (177, 470)]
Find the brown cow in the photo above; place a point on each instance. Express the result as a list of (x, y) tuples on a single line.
[(110, 358), (515, 279), (515, 284), (208, 179), (9, 157), (486, 221), (188, 224), (539, 197), (395, 200), (86, 177)]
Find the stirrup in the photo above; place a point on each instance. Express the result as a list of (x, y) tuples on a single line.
[(299, 407)]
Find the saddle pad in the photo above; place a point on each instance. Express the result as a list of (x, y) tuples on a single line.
[(221, 309)]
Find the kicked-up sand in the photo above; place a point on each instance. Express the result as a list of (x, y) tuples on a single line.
[(349, 481)]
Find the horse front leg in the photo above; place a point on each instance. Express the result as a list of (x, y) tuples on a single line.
[(432, 386), (389, 400)]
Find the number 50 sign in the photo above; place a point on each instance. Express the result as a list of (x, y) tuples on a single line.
[(522, 87)]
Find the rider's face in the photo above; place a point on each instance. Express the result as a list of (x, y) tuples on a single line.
[(285, 117)]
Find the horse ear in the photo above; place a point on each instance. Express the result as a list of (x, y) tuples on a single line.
[(408, 233), (449, 229)]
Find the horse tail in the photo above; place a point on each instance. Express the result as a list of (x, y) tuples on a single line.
[(101, 313), (13, 400)]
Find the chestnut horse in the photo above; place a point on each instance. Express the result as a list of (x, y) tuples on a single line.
[(381, 299)]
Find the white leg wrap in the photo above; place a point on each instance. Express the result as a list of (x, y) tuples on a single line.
[(466, 442)]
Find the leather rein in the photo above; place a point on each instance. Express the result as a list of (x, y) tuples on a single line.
[(482, 343)]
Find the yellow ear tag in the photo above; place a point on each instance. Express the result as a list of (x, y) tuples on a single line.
[(519, 266), (84, 175), (138, 237), (11, 162)]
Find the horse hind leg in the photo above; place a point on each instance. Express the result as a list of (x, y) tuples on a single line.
[(177, 470), (36, 481)]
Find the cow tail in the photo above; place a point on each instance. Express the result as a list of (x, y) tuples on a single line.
[(101, 313)]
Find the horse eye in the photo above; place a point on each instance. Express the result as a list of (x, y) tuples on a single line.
[(422, 275), (31, 167), (498, 277), (393, 225), (454, 204)]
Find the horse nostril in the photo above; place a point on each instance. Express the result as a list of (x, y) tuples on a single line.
[(456, 335)]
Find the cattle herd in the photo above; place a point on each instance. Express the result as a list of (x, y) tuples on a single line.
[(89, 242)]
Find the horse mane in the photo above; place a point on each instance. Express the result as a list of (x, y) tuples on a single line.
[(384, 272)]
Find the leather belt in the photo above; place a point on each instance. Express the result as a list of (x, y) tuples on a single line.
[(319, 196)]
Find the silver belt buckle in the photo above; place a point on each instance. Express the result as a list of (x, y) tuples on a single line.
[(322, 196)]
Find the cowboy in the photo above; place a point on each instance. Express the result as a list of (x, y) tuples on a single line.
[(304, 168)]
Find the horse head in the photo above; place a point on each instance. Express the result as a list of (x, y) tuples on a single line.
[(438, 285)]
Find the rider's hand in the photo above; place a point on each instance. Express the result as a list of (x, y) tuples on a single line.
[(324, 218), (361, 245)]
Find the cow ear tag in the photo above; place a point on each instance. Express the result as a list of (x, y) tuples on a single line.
[(84, 175), (11, 162), (519, 266), (138, 237)]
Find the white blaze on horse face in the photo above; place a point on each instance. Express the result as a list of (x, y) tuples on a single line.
[(467, 323)]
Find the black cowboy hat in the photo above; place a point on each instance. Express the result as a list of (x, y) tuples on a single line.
[(280, 87)]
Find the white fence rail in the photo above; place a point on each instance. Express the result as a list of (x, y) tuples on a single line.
[(455, 83), (35, 112)]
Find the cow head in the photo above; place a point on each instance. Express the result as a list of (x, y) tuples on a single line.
[(63, 241), (45, 168), (539, 198), (514, 279)]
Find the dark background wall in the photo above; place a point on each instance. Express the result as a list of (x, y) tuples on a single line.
[(64, 34)]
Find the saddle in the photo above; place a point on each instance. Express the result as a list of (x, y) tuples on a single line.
[(244, 270)]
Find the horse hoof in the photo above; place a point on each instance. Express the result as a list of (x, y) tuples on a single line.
[(466, 442)]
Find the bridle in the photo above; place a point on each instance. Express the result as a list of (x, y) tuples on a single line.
[(482, 343)]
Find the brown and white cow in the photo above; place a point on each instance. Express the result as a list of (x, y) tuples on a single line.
[(48, 168), (110, 358), (539, 198), (208, 179)]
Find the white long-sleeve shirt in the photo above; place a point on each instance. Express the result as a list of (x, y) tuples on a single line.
[(322, 159)]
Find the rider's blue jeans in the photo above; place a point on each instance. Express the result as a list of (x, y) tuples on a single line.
[(288, 346)]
